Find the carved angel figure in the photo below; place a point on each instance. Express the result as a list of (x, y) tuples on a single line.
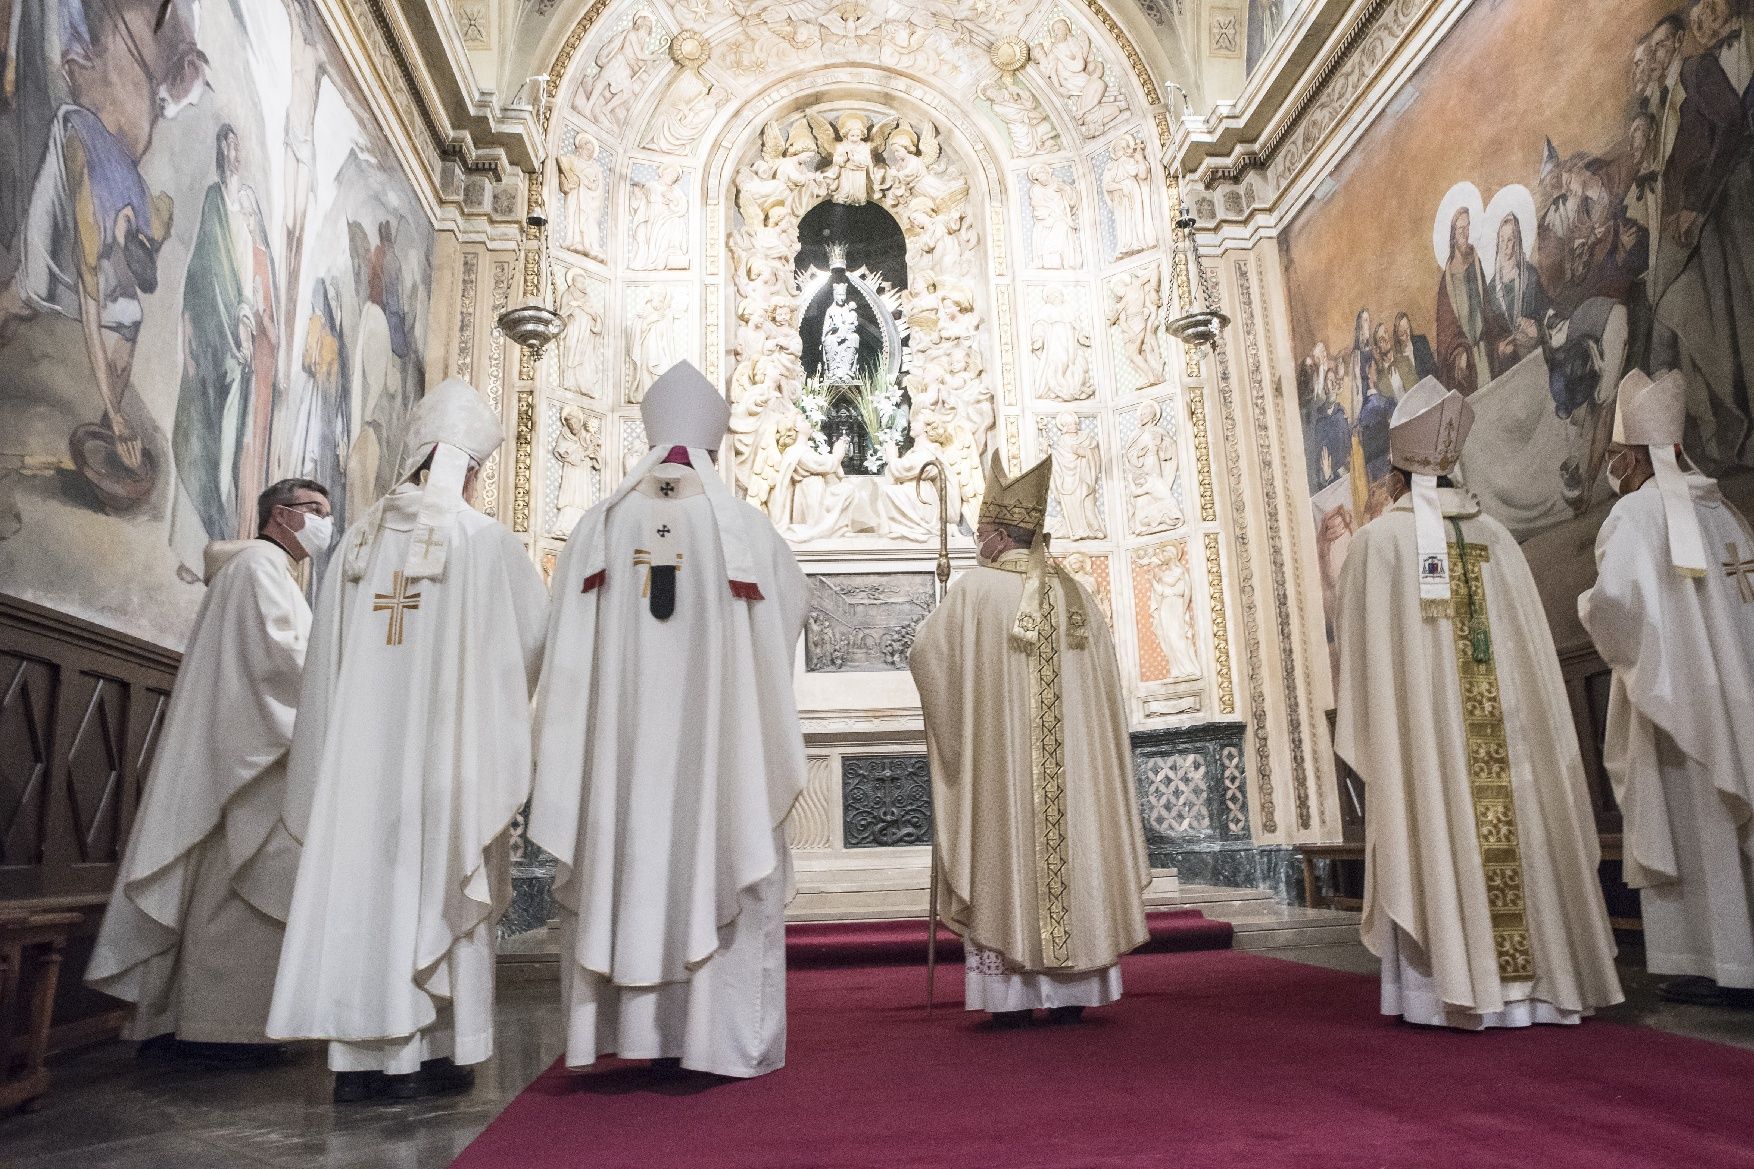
[(796, 164), (853, 176)]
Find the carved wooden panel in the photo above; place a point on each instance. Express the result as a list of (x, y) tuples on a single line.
[(81, 711)]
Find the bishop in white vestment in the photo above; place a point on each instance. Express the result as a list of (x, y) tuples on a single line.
[(192, 932), (668, 755), (1672, 611), (411, 757), (1481, 897), (1040, 849)]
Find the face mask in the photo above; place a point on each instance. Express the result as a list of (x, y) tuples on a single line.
[(315, 536), (1615, 481), (990, 547)]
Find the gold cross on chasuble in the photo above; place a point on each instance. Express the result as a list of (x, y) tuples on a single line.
[(1740, 570), (397, 602), (428, 541)]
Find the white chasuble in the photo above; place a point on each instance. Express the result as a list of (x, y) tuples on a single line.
[(1040, 847), (411, 757), (1680, 746), (192, 933), (669, 753), (1481, 896)]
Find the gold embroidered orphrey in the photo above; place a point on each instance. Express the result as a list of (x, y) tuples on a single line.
[(1048, 778), (1489, 772), (1741, 571), (397, 603)]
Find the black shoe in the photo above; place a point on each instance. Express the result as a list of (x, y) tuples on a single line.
[(357, 1087), (233, 1055), (436, 1077), (158, 1049), (1010, 1020), (1058, 1015)]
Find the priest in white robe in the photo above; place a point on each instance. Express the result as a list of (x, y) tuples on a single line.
[(1672, 612), (1480, 894), (669, 753), (1040, 848), (411, 757), (192, 933)]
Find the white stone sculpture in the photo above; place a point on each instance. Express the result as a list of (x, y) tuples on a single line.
[(658, 216), (1149, 463), (581, 190), (1061, 346), (1077, 478), (581, 307), (656, 319), (1072, 66), (1053, 209), (578, 447), (852, 177), (812, 498), (1135, 316), (688, 110), (621, 62), (1124, 183), (907, 504), (1017, 110), (840, 340), (1172, 610)]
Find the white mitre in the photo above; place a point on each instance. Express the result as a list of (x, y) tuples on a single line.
[(1426, 434), (681, 409), (456, 427), (1653, 414)]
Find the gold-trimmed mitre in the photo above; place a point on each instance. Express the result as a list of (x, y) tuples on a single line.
[(1020, 502)]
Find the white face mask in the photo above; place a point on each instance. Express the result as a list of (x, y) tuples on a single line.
[(1615, 481), (316, 535)]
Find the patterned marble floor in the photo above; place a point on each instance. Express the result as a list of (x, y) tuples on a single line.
[(110, 1112)]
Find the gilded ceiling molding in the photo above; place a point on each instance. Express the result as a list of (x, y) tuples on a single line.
[(1130, 51), (563, 58)]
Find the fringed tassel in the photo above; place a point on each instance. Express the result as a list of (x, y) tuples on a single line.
[(595, 580), (1434, 608), (746, 590)]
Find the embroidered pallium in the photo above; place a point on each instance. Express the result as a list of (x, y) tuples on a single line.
[(1489, 770)]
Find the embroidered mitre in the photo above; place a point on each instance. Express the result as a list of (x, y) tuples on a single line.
[(1653, 414), (1425, 440), (1021, 502)]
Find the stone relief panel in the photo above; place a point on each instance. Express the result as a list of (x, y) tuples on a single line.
[(1052, 216), (1150, 470), (624, 58), (1070, 61), (573, 478), (810, 826), (1015, 108), (659, 332), (658, 237), (886, 800), (863, 622), (1093, 571), (1061, 345), (1163, 611), (1076, 499), (684, 113), (1133, 311), (582, 355), (1125, 178), (583, 169), (633, 444)]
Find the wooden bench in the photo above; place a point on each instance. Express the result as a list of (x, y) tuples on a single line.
[(32, 942)]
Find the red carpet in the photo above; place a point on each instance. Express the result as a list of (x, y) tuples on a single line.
[(883, 943), (1215, 1060)]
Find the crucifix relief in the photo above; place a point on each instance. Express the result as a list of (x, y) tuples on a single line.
[(397, 603)]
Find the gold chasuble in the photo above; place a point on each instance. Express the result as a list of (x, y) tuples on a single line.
[(1041, 851)]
